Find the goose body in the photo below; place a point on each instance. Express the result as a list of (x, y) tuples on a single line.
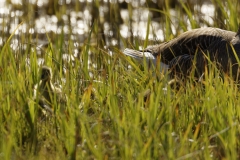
[(201, 44)]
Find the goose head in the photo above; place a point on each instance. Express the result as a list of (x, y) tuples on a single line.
[(46, 73), (236, 39)]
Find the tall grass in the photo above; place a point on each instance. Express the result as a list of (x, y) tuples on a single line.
[(109, 115)]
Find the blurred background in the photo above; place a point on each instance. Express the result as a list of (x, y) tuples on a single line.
[(113, 23)]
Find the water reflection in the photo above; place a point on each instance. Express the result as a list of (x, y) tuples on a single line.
[(208, 12), (75, 18), (80, 21)]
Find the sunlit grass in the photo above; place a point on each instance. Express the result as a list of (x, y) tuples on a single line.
[(108, 115)]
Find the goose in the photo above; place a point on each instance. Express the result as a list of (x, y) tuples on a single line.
[(47, 93), (203, 44)]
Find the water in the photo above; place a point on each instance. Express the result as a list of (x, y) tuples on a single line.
[(79, 23), (39, 22)]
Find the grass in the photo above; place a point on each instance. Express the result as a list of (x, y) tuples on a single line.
[(108, 114)]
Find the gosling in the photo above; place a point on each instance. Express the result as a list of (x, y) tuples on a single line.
[(47, 93)]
